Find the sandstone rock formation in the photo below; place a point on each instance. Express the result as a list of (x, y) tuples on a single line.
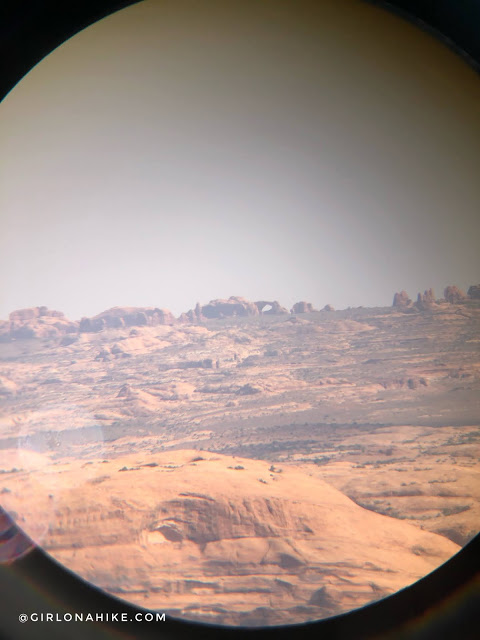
[(210, 536), (91, 325), (401, 300), (234, 306), (474, 292), (426, 300), (119, 317), (136, 317), (22, 316), (35, 322), (453, 294), (194, 316), (275, 307), (302, 307), (240, 526)]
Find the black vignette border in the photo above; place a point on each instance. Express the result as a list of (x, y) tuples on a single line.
[(442, 605)]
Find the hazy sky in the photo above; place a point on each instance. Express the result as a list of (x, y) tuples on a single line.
[(180, 151)]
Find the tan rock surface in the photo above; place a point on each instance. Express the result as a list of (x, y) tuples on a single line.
[(36, 322), (381, 405), (189, 533)]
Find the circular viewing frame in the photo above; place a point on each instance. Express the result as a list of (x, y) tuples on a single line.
[(443, 604)]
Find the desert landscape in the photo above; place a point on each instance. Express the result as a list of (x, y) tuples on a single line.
[(246, 464)]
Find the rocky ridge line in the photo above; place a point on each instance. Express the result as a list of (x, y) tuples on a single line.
[(41, 322)]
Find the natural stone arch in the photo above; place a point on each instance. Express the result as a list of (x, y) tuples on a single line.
[(274, 307)]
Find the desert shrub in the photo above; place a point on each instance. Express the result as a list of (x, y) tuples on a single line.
[(452, 511), (98, 479)]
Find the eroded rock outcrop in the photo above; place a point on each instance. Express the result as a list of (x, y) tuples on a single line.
[(235, 524), (426, 300), (119, 317), (274, 307), (194, 316), (234, 306), (91, 325), (22, 316), (474, 292), (401, 300), (302, 307), (453, 294), (36, 322)]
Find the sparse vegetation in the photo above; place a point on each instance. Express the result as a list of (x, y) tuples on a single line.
[(99, 479), (325, 394), (454, 510), (322, 460)]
